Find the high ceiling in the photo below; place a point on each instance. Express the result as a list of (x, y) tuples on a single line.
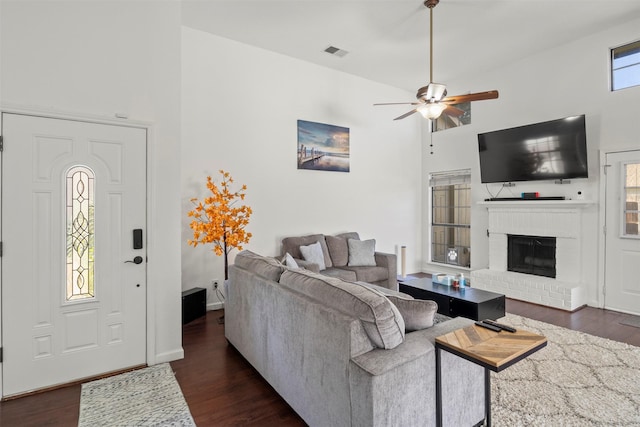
[(388, 40)]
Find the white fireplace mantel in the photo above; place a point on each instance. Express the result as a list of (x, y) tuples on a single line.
[(528, 204)]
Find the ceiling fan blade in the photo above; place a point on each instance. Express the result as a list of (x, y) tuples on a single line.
[(405, 115), (397, 103), (453, 111), (479, 96)]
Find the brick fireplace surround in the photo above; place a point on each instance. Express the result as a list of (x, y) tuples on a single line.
[(559, 219)]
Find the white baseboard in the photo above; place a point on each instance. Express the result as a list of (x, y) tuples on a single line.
[(215, 306), (169, 356)]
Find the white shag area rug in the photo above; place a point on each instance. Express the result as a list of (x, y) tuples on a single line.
[(576, 380), (145, 397)]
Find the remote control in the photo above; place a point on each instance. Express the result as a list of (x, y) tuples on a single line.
[(499, 325), (488, 326)]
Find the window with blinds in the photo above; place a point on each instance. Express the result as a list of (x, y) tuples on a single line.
[(625, 66), (451, 217)]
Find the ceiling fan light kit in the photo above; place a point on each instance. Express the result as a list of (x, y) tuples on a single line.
[(432, 99), (431, 110)]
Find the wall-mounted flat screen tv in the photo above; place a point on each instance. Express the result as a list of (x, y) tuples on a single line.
[(552, 150)]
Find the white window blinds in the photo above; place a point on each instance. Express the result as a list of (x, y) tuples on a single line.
[(438, 179)]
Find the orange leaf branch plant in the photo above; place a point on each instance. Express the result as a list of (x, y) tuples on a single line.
[(218, 220)]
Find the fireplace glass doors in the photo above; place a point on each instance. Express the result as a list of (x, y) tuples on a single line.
[(532, 255)]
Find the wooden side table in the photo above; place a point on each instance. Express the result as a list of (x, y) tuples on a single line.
[(494, 351)]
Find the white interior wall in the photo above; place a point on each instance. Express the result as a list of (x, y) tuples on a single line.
[(568, 80), (240, 110), (97, 58)]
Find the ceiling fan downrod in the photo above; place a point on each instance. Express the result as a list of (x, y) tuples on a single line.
[(431, 4)]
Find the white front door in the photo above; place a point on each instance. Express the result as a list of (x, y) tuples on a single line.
[(72, 194), (622, 250)]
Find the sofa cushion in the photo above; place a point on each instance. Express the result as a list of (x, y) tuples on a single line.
[(417, 314), (341, 273), (380, 318), (313, 253), (385, 291), (349, 235), (362, 253), (267, 267), (338, 250), (292, 245), (369, 274)]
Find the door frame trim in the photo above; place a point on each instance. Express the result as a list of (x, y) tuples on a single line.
[(150, 329), (602, 220)]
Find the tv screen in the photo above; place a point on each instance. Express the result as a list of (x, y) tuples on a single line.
[(551, 150)]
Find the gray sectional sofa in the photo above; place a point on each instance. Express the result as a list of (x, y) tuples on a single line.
[(338, 260), (338, 352)]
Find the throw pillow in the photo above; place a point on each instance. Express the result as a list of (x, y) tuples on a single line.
[(292, 245), (289, 261), (417, 314), (338, 250), (313, 253), (362, 253)]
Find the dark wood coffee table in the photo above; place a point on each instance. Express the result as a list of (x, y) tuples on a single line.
[(494, 351), (476, 304)]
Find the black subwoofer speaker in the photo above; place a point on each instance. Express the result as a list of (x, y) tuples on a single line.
[(194, 304)]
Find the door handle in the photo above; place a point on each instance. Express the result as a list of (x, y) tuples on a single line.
[(136, 260)]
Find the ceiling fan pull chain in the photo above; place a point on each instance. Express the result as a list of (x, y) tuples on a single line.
[(431, 125)]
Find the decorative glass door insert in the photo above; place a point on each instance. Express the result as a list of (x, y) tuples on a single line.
[(631, 199), (80, 211)]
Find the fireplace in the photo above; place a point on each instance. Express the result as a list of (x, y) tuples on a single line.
[(531, 255), (561, 220)]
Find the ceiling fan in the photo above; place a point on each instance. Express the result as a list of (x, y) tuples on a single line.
[(432, 99)]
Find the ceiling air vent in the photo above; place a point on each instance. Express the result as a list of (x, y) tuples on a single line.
[(336, 51)]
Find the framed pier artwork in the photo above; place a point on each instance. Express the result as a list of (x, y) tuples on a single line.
[(323, 147)]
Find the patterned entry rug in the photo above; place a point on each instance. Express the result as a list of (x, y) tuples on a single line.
[(146, 397), (577, 380)]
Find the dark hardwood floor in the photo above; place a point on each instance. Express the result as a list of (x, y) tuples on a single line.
[(594, 321), (220, 386), (222, 389)]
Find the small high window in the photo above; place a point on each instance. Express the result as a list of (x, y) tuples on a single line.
[(625, 66)]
